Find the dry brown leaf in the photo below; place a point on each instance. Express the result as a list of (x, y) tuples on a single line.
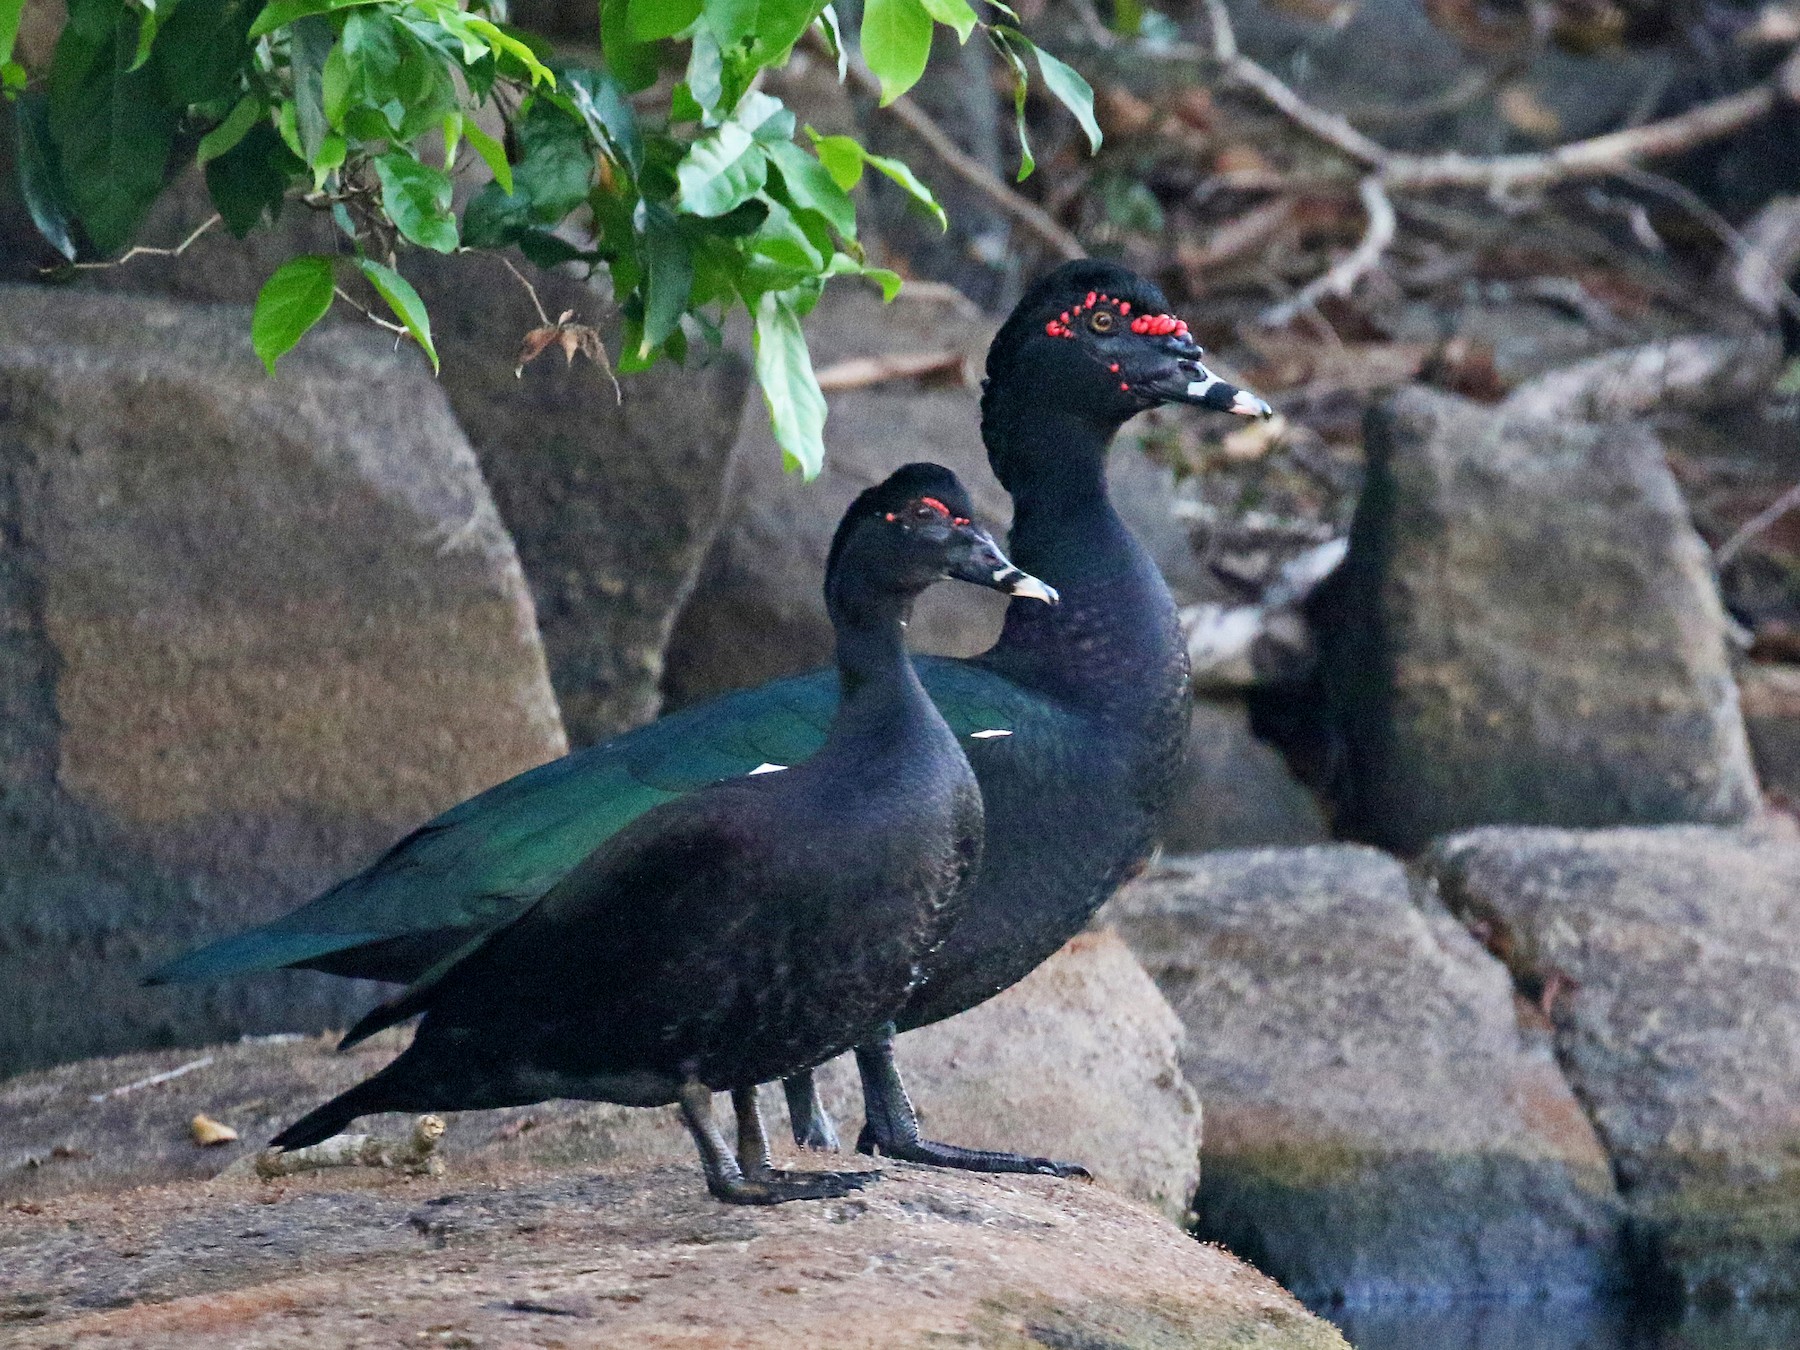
[(1241, 158), (207, 1132), (1520, 105), (575, 339)]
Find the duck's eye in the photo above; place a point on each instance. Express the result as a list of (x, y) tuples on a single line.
[(1101, 321), (922, 512)]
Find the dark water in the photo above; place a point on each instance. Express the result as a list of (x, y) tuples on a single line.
[(1563, 1326)]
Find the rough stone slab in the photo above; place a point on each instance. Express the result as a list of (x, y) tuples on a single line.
[(1382, 1121), (1526, 632), (1671, 961), (757, 611), (1076, 1061), (641, 1257), (251, 630)]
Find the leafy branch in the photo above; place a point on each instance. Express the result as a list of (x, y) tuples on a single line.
[(665, 165)]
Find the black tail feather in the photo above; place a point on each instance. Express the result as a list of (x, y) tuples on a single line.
[(316, 1126)]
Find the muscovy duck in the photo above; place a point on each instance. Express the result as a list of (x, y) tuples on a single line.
[(746, 930), (1073, 722)]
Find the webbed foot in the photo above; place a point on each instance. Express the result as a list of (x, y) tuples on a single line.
[(775, 1187), (892, 1126)]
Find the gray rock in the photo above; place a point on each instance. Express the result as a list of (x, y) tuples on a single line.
[(612, 505), (1670, 960), (1526, 631), (1771, 696), (1236, 791), (250, 631), (1383, 1121), (1076, 1061), (757, 611), (634, 1256)]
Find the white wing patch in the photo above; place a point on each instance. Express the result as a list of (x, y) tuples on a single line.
[(766, 768), (987, 735)]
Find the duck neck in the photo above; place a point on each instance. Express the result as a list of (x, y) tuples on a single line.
[(876, 677), (1116, 626)]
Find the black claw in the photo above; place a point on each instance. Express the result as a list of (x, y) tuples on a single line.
[(778, 1188)]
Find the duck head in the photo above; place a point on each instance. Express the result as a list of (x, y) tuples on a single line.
[(917, 527), (1097, 341)]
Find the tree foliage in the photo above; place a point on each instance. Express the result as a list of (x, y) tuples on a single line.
[(664, 164)]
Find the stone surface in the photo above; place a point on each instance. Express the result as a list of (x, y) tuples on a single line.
[(1382, 1120), (637, 1257), (612, 505), (1237, 792), (1076, 1061), (1526, 632), (250, 631), (758, 611), (1771, 697), (1671, 962)]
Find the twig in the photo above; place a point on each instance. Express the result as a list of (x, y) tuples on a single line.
[(399, 330), (1341, 279), (204, 1061), (971, 170), (417, 1156), (859, 372), (1763, 255), (1754, 526), (530, 290), (137, 250)]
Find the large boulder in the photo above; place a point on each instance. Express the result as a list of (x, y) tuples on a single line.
[(1670, 960), (1076, 1061), (612, 501), (639, 1256), (250, 631), (1526, 631), (1383, 1120), (758, 610)]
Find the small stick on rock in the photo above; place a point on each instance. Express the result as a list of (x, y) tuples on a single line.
[(1355, 265), (416, 1157), (204, 1061)]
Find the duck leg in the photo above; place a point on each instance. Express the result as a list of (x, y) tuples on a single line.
[(726, 1180), (807, 1115), (892, 1125), (753, 1147)]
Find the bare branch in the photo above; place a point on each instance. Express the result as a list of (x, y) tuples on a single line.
[(971, 170), (859, 372), (399, 330), (1763, 255), (530, 290), (1754, 526), (144, 250), (1354, 266), (205, 1061)]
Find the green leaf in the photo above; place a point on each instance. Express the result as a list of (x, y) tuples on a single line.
[(280, 13), (1001, 38), (40, 176), (290, 303), (955, 13), (309, 43), (789, 387), (775, 25), (492, 153), (233, 129), (404, 301), (154, 13), (555, 168), (811, 186), (723, 169), (417, 198), (833, 33), (841, 156), (201, 52), (11, 11), (599, 101), (843, 265), (1073, 92), (896, 42), (12, 78), (247, 181), (110, 125), (669, 276), (648, 20), (506, 45), (633, 63), (899, 172)]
